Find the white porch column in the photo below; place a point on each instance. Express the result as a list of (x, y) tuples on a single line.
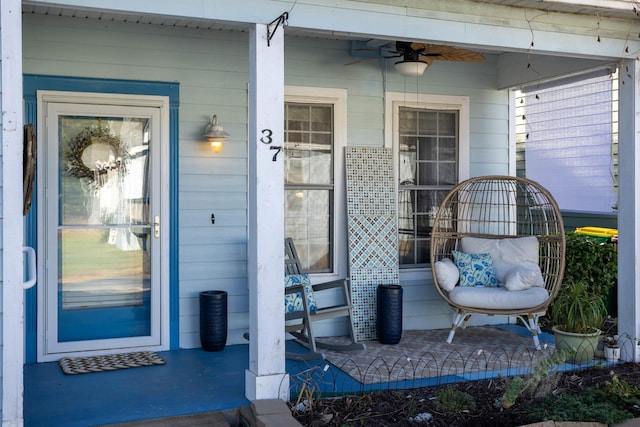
[(266, 377), (11, 225), (629, 207)]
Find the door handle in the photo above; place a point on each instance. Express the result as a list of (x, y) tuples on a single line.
[(156, 226), (31, 267)]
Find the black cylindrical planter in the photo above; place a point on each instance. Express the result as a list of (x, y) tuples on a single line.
[(389, 314), (213, 320)]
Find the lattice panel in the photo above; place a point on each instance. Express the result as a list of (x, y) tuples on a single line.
[(372, 222), (373, 242)]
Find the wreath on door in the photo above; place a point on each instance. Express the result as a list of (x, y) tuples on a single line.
[(82, 162)]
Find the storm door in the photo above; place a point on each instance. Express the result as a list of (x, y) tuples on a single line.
[(100, 221)]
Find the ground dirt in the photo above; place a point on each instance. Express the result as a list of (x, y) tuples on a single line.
[(402, 407)]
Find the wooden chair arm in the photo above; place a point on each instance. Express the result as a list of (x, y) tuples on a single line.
[(331, 285)]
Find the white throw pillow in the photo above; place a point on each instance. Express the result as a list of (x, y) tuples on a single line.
[(447, 273), (523, 277), (506, 253)]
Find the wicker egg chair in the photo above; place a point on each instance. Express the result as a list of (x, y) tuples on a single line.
[(501, 207)]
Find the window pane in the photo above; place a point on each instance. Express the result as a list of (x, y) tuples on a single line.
[(321, 164), (309, 155), (297, 117), (408, 153), (423, 250), (428, 123), (321, 119), (297, 140), (428, 173), (428, 149), (308, 222), (94, 272), (447, 149), (408, 121), (447, 124), (448, 174)]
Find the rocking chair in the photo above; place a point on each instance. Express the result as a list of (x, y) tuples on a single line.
[(511, 224), (302, 311)]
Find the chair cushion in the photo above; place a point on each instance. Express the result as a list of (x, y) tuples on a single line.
[(293, 300), (523, 277), (475, 269), (447, 273), (498, 298), (506, 253)]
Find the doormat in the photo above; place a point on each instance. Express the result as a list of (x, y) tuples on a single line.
[(111, 362)]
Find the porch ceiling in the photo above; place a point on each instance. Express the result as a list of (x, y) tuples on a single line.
[(606, 8), (153, 19), (512, 59), (624, 9)]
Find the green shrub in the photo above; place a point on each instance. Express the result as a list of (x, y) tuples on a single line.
[(518, 385), (591, 405), (590, 262), (453, 401)]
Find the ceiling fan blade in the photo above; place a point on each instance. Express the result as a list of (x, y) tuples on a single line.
[(446, 53)]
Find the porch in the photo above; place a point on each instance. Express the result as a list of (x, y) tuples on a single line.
[(194, 381)]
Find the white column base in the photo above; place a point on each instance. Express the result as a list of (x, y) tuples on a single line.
[(266, 386)]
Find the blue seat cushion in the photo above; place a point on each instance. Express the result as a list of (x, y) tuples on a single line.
[(293, 300)]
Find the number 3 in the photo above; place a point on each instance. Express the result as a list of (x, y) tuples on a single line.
[(266, 136)]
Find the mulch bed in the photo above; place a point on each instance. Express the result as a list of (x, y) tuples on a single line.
[(400, 407)]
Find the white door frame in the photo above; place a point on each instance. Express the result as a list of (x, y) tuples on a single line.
[(162, 155)]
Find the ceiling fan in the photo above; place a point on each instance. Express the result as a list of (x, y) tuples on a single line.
[(416, 57)]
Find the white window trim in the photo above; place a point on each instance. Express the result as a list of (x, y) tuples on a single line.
[(337, 98), (392, 104)]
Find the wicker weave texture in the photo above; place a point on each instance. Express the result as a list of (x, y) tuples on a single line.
[(499, 207)]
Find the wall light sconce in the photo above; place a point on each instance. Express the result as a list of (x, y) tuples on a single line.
[(215, 134), (411, 68)]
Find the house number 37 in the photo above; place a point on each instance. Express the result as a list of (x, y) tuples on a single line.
[(267, 138)]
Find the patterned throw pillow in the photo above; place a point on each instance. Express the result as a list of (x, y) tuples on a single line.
[(475, 269), (293, 300)]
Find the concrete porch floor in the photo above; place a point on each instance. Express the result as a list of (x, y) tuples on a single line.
[(191, 381)]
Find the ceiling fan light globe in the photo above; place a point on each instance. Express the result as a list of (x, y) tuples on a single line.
[(411, 68)]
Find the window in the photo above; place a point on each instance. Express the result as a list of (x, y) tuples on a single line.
[(430, 136), (312, 137), (309, 182), (427, 170)]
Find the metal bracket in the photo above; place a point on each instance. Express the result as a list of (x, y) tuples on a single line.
[(279, 20)]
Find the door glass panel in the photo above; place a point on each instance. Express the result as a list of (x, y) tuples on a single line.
[(103, 228)]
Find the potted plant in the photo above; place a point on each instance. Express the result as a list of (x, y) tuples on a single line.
[(590, 276), (577, 314), (611, 348), (594, 262)]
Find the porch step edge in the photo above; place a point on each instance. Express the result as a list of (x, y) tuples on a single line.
[(208, 419)]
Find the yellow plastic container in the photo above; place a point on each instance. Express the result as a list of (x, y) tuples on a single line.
[(598, 231), (600, 234)]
